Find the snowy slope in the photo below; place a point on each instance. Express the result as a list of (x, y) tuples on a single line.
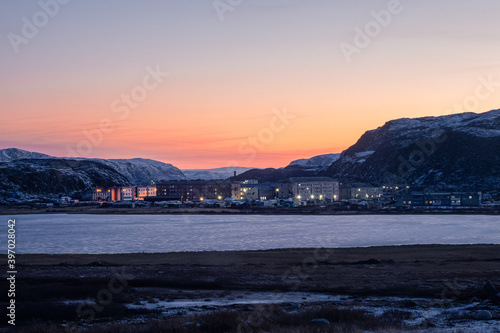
[(141, 171), (134, 171), (56, 176), (11, 154), (307, 167), (211, 174), (459, 151), (319, 162)]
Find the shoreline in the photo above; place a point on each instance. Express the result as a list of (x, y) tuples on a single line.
[(247, 211), (344, 255), (431, 288)]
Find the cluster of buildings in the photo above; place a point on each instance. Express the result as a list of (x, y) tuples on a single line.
[(297, 191), (127, 193), (361, 191), (196, 190), (449, 199)]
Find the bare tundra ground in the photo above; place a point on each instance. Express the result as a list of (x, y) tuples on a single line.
[(375, 289)]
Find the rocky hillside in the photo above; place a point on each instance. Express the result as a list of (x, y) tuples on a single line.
[(299, 168), (459, 151), (317, 162), (56, 176), (34, 173), (274, 175), (141, 171), (12, 154)]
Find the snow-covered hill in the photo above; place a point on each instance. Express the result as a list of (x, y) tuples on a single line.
[(306, 167), (56, 176), (318, 162), (212, 174), (459, 151), (12, 154), (141, 171), (31, 172)]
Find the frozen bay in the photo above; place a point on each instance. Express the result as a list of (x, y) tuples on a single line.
[(72, 233)]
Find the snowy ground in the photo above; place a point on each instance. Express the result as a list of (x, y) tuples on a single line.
[(424, 315)]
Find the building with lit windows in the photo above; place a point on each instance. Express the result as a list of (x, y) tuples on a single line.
[(142, 192), (264, 191), (246, 186), (198, 190), (309, 188), (101, 194), (360, 191), (127, 193), (468, 199)]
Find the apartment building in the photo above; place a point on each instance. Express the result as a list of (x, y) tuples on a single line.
[(198, 190), (309, 188), (363, 191), (414, 199)]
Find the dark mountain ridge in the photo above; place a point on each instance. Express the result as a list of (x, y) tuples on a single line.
[(56, 176), (460, 151)]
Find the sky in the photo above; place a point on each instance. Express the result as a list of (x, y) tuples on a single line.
[(257, 83)]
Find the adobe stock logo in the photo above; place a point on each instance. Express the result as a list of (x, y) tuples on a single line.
[(363, 36), (121, 109), (30, 28), (277, 124), (224, 6), (484, 90)]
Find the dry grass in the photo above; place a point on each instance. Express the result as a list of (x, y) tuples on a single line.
[(277, 321), (406, 271)]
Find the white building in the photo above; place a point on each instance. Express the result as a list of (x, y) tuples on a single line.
[(145, 191), (309, 188), (127, 193)]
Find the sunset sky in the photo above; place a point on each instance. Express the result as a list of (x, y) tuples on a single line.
[(257, 83)]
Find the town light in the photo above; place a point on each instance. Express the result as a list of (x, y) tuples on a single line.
[(201, 199), (312, 196), (219, 197)]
